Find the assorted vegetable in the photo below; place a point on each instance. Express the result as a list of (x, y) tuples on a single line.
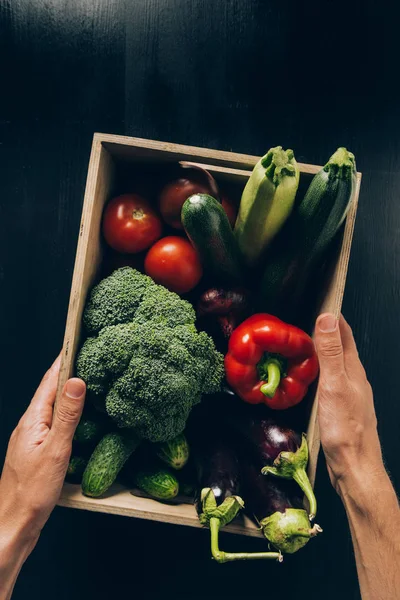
[(309, 233), (271, 362), (130, 224), (192, 179), (281, 450), (208, 228), (277, 509), (157, 482), (267, 202), (173, 262), (217, 498), (174, 453), (148, 355)]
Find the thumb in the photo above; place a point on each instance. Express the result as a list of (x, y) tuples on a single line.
[(328, 344), (69, 409)]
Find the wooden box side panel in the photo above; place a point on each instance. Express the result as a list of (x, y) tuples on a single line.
[(88, 256), (333, 304), (128, 148)]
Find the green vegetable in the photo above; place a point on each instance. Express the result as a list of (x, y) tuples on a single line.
[(88, 430), (266, 202), (309, 232), (107, 460), (208, 228), (157, 482), (174, 453), (76, 467), (153, 367)]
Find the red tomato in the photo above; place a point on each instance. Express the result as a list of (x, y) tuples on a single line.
[(174, 263), (230, 209), (130, 224), (174, 194)]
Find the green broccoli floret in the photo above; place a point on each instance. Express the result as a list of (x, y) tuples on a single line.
[(115, 299), (162, 306), (153, 368)]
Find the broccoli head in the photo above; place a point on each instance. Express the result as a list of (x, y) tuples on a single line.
[(153, 367), (115, 299)]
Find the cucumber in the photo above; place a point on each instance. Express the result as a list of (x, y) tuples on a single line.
[(76, 467), (308, 233), (266, 202), (107, 460), (208, 228), (157, 482), (174, 453), (88, 430)]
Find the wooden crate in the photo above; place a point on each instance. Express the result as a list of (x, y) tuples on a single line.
[(108, 152)]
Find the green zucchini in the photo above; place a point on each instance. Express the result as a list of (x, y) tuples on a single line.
[(157, 482), (266, 202), (174, 453), (208, 228), (88, 430), (76, 468), (309, 232), (107, 460)]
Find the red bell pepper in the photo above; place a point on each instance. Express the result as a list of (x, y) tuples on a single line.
[(270, 361)]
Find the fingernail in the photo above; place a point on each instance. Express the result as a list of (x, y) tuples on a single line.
[(327, 323), (75, 388)]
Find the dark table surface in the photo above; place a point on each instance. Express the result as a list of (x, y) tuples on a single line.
[(237, 75)]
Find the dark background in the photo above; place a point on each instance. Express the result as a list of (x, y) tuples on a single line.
[(238, 75)]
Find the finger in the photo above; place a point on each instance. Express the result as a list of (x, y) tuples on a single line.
[(351, 358), (45, 395), (68, 410), (328, 345)]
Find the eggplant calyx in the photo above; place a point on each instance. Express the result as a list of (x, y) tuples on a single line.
[(292, 465), (289, 531), (223, 557), (224, 513)]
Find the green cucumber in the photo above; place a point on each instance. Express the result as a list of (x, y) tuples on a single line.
[(208, 228), (174, 453), (76, 468), (107, 460), (88, 430), (266, 202), (157, 482), (309, 232)]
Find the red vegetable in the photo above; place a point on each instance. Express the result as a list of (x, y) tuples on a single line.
[(193, 180), (270, 361), (130, 224), (174, 263), (230, 209)]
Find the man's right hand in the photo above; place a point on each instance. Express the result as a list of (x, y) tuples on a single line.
[(346, 412), (353, 454)]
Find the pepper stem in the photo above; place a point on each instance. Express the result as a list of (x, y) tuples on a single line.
[(223, 557), (273, 368)]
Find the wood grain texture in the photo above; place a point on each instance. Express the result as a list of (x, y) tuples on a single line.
[(239, 75)]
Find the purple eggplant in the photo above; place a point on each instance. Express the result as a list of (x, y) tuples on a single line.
[(221, 310), (275, 505), (217, 499), (282, 451)]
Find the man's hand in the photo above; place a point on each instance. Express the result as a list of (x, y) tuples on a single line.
[(36, 462), (350, 441), (346, 410)]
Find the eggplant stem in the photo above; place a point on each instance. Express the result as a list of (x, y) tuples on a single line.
[(300, 476), (223, 557)]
